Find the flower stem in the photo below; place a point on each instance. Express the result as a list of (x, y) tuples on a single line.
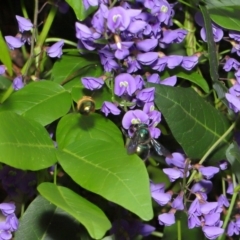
[(58, 39), (211, 149)]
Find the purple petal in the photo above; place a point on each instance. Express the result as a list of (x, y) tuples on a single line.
[(136, 26), (154, 78), (233, 100), (208, 172), (172, 173), (189, 62), (134, 117), (202, 186), (174, 61), (7, 208), (157, 187), (18, 83), (56, 49), (147, 58), (92, 83), (24, 24), (109, 107), (212, 219), (124, 82), (160, 64), (2, 69), (178, 202), (147, 45), (118, 19), (170, 81), (208, 207), (13, 42), (212, 232), (166, 219), (146, 95)]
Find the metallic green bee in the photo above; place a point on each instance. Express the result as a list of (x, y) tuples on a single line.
[(143, 144)]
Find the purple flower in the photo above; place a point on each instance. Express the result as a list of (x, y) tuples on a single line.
[(118, 19), (173, 174), (189, 62), (136, 26), (166, 219), (217, 33), (13, 42), (18, 83), (92, 83), (24, 24), (7, 208), (173, 36), (177, 160), (132, 64), (157, 187), (147, 45), (82, 31), (12, 222), (146, 95), (195, 208), (109, 107), (139, 82), (160, 64), (202, 186), (235, 35), (147, 58), (212, 232), (148, 107), (223, 165), (234, 102), (134, 117), (124, 83), (178, 202), (2, 69), (231, 63), (237, 75), (99, 17), (208, 207), (154, 78), (161, 198), (174, 61), (208, 172), (170, 81), (230, 188), (121, 49), (155, 132), (154, 117), (106, 58), (193, 221), (212, 219), (56, 49), (232, 229)]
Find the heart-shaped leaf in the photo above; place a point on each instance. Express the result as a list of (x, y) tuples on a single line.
[(106, 169), (194, 123), (24, 143), (92, 217), (47, 222), (74, 127), (42, 101)]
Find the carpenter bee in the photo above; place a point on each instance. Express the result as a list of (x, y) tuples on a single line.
[(143, 144)]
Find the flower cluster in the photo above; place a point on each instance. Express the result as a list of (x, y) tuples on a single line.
[(201, 212), (9, 221), (132, 40)]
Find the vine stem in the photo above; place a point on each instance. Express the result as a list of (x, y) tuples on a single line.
[(211, 149), (58, 39), (229, 212)]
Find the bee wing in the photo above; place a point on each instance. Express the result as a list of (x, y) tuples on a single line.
[(160, 149), (133, 143)]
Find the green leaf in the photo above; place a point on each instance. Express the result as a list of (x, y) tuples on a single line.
[(106, 169), (181, 228), (194, 123), (233, 156), (69, 66), (99, 95), (213, 60), (4, 83), (221, 3), (74, 127), (5, 55), (193, 77), (24, 143), (92, 217), (226, 17), (80, 11), (47, 222), (42, 101)]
